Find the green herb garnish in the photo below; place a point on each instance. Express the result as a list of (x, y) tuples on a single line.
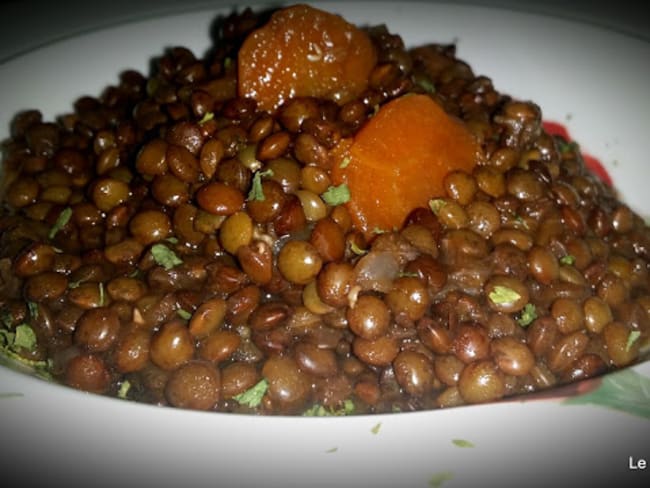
[(462, 443), (528, 315), (436, 205), (426, 84), (632, 338), (356, 249), (24, 338), (256, 192), (321, 411), (378, 231), (124, 389), (439, 478), (33, 309), (164, 256), (6, 338), (206, 118), (375, 429), (345, 163), (184, 314), (568, 260), (336, 195), (520, 220), (253, 396), (61, 222), (102, 295), (408, 274), (6, 318), (567, 146), (503, 294), (317, 411)]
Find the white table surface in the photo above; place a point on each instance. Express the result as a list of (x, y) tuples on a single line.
[(25, 25)]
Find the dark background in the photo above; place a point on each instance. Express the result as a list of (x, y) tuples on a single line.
[(28, 24)]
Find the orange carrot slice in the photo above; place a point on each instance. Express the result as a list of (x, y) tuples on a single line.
[(303, 51), (398, 160)]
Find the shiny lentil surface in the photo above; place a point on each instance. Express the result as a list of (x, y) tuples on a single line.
[(168, 236)]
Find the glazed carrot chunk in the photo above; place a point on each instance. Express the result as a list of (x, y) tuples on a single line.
[(303, 51), (398, 160)]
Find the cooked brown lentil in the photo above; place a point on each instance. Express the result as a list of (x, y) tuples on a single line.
[(169, 236)]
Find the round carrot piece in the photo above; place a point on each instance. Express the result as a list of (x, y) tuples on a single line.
[(398, 160), (303, 51)]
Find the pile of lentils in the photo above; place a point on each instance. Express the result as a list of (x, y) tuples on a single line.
[(167, 242)]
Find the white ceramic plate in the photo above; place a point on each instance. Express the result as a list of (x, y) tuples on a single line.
[(592, 80)]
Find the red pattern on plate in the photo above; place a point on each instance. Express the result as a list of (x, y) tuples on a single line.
[(592, 162)]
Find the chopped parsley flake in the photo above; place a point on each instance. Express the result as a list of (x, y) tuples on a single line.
[(426, 84), (124, 389), (345, 163), (317, 411), (520, 220), (356, 249), (336, 195), (184, 314), (439, 478), (33, 309), (102, 295), (24, 338), (408, 274), (632, 338), (568, 260), (6, 338), (436, 204), (567, 146), (74, 284), (375, 429), (164, 256), (333, 449), (462, 443), (321, 411), (256, 192), (6, 318), (61, 221), (206, 118), (528, 315), (378, 231), (227, 62), (503, 294), (253, 396)]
